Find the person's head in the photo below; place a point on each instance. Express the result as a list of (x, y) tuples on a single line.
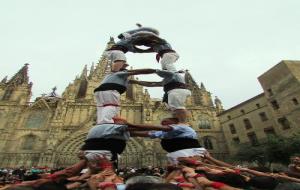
[(118, 59), (98, 160), (181, 115), (295, 159), (169, 121), (119, 65)]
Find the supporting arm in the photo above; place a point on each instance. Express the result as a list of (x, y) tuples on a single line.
[(141, 127), (146, 83), (141, 71)]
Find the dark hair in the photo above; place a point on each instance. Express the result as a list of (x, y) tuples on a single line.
[(152, 186), (263, 182)]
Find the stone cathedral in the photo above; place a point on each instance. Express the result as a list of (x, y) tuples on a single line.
[(51, 130)]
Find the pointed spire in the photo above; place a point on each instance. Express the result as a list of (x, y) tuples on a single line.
[(21, 76), (218, 105), (84, 72), (202, 86), (189, 80), (92, 68), (110, 43), (4, 80)]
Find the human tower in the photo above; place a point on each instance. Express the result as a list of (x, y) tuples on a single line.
[(107, 139)]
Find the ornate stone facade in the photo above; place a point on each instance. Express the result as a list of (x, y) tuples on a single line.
[(50, 130), (276, 111)]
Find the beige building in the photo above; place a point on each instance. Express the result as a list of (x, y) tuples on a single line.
[(50, 130), (275, 111)]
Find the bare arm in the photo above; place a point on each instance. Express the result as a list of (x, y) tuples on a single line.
[(140, 71), (284, 177), (141, 127), (139, 134), (291, 171), (218, 162), (254, 172), (146, 83)]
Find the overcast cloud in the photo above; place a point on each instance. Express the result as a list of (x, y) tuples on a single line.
[(225, 44)]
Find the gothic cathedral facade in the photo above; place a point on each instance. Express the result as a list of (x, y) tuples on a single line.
[(51, 130)]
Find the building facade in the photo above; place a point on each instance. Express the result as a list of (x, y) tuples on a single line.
[(51, 130), (276, 111)]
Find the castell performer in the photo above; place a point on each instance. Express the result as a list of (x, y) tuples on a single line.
[(178, 138), (114, 84), (174, 86)]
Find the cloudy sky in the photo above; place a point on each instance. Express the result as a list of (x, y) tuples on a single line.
[(225, 44)]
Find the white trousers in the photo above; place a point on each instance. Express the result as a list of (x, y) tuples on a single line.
[(96, 155), (177, 98), (106, 102), (168, 60), (172, 156)]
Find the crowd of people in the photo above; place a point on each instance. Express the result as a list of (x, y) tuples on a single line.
[(190, 166), (205, 173)]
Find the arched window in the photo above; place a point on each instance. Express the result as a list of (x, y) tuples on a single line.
[(36, 119), (8, 93), (204, 124), (208, 143), (29, 142)]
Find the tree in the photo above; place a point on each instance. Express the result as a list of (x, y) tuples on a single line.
[(274, 149)]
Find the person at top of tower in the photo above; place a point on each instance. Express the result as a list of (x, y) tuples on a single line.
[(148, 37), (178, 138), (107, 94), (174, 86)]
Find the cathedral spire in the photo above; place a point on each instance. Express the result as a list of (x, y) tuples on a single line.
[(84, 72), (110, 43), (196, 98), (218, 105), (21, 76), (190, 81), (202, 86), (92, 68), (4, 80)]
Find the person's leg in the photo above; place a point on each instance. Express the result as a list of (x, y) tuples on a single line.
[(177, 98), (168, 60), (108, 113), (98, 160), (107, 106)]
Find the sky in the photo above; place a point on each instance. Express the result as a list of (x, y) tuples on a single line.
[(224, 44)]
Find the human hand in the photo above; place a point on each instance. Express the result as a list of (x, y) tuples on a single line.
[(132, 81), (188, 170)]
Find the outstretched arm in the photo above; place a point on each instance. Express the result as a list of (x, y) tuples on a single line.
[(284, 177), (140, 71), (254, 172), (139, 134), (146, 83), (141, 127), (218, 162)]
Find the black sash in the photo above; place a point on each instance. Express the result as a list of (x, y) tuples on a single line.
[(171, 145), (116, 146)]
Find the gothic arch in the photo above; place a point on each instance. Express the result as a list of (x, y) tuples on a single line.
[(82, 88), (67, 150), (210, 143)]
